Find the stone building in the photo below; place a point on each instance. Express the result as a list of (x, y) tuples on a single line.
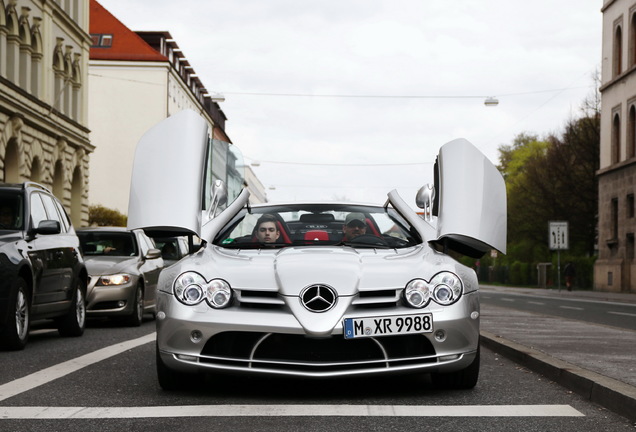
[(44, 50), (615, 268)]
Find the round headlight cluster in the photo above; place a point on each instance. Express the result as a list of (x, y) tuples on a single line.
[(191, 288), (445, 288)]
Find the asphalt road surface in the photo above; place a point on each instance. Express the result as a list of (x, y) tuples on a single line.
[(105, 381)]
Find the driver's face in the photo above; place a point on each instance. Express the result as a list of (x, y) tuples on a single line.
[(267, 232), (354, 229)]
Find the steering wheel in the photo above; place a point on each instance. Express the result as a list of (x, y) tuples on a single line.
[(369, 239)]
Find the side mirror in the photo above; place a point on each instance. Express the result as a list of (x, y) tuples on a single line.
[(424, 200), (48, 227), (219, 197), (153, 254)]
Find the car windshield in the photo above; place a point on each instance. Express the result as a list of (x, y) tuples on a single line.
[(11, 211), (318, 225), (107, 243)]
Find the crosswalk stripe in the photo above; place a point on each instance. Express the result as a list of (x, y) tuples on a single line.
[(290, 411)]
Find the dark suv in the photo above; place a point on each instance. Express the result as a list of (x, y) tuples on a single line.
[(42, 273)]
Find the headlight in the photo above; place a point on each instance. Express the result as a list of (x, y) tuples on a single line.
[(114, 280), (188, 288), (417, 293), (191, 288), (445, 288), (218, 293)]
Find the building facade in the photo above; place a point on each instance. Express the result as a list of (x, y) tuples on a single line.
[(615, 268), (44, 50), (136, 80)]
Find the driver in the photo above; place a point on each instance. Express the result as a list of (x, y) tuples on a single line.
[(354, 226), (267, 229)]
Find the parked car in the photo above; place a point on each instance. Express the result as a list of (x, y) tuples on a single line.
[(42, 273), (315, 290), (123, 268), (172, 248)]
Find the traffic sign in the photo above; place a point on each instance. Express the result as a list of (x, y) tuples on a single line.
[(558, 235)]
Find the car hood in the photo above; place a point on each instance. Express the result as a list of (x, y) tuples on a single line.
[(290, 270), (108, 265), (9, 237)]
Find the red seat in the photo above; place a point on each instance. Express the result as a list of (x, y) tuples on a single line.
[(316, 235)]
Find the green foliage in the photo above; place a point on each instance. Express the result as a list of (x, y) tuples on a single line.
[(101, 216)]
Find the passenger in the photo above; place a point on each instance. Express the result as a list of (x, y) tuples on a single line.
[(354, 226), (267, 229)]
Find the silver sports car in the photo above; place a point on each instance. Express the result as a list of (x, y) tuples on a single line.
[(314, 289)]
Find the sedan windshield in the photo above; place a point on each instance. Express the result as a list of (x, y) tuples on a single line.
[(318, 225), (107, 243)]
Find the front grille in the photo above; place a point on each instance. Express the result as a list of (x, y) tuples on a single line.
[(380, 298), (297, 353)]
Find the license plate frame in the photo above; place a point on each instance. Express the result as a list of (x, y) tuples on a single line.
[(389, 325)]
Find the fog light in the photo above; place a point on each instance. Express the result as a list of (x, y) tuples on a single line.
[(474, 315), (196, 336), (449, 357), (121, 303), (186, 357), (440, 335), (161, 315)]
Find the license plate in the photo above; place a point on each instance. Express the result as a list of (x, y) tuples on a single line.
[(387, 325)]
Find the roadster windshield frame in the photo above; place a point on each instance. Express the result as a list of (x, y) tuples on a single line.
[(318, 225)]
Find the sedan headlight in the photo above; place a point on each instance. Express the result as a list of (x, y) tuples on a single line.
[(114, 280), (445, 288), (191, 288)]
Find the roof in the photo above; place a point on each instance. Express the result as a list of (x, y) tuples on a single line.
[(126, 44)]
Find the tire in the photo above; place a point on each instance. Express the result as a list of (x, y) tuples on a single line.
[(464, 379), (16, 332), (169, 379), (137, 316), (72, 324)]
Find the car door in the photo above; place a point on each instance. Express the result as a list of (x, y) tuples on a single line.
[(46, 254), (150, 268)]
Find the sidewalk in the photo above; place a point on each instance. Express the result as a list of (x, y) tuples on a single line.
[(596, 361)]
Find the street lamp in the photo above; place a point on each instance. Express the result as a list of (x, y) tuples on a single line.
[(491, 102)]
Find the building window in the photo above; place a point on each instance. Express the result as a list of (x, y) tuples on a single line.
[(632, 40), (631, 133), (618, 52), (630, 205), (102, 40), (614, 220), (616, 138)]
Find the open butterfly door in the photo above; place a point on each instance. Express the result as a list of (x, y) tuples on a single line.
[(470, 201), (173, 174)]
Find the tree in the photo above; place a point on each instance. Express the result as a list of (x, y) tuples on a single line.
[(101, 216), (553, 179)]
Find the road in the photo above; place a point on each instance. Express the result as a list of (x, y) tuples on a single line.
[(615, 314), (106, 381)]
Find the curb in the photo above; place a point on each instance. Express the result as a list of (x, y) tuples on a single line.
[(614, 395)]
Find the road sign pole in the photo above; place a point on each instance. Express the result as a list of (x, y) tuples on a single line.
[(559, 268)]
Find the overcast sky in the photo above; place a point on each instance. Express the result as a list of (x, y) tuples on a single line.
[(315, 87)]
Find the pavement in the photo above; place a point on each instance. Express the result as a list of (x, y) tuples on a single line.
[(595, 361)]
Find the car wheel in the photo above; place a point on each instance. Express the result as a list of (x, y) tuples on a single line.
[(464, 379), (72, 324), (170, 379), (137, 316), (16, 332)]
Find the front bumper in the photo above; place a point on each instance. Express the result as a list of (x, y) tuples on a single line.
[(192, 339), (110, 300)]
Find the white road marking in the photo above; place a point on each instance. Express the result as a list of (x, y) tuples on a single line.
[(47, 375), (537, 303), (622, 313), (290, 411), (571, 308), (508, 299)]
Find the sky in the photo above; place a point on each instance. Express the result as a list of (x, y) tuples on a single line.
[(348, 99)]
